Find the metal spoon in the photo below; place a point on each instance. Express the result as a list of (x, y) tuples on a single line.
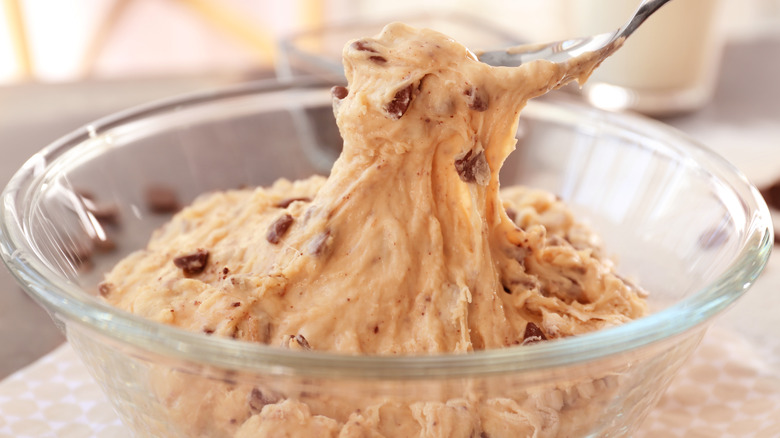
[(562, 51)]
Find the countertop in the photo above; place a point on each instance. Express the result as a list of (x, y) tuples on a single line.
[(32, 116)]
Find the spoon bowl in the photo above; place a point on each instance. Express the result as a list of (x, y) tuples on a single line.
[(561, 51)]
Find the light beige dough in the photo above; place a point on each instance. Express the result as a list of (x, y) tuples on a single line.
[(406, 248)]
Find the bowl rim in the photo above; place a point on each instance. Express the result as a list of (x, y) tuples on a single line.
[(290, 45), (69, 303)]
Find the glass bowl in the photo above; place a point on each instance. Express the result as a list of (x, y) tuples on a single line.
[(318, 52), (678, 220)]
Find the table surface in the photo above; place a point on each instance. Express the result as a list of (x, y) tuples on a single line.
[(32, 116), (742, 123)]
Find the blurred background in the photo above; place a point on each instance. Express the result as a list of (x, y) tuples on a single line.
[(64, 63), (73, 40)]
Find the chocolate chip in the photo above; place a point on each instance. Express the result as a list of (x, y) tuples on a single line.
[(378, 59), (771, 195), (193, 263), (362, 46), (105, 289), (533, 334), (296, 342), (302, 342), (339, 92), (278, 228), (318, 244), (400, 103), (104, 213), (257, 399), (478, 103), (284, 203), (236, 304), (477, 100), (161, 199), (473, 168)]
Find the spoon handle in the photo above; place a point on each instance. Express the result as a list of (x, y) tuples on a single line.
[(646, 9)]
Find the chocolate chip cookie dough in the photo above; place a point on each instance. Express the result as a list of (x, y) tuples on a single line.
[(408, 247)]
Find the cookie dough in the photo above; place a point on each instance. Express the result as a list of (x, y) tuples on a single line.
[(408, 247)]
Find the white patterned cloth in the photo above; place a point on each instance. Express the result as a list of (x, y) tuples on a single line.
[(727, 389), (56, 397)]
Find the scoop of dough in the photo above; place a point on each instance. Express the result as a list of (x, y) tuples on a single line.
[(406, 247)]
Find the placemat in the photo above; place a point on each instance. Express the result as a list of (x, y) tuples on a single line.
[(729, 388)]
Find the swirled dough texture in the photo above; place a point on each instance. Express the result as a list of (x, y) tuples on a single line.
[(406, 248)]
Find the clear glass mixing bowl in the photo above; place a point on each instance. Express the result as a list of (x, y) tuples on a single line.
[(678, 220)]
